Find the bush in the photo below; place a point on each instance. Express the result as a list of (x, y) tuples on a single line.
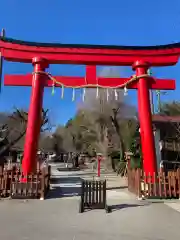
[(135, 162)]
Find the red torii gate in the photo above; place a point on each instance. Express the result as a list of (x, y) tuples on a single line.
[(43, 54)]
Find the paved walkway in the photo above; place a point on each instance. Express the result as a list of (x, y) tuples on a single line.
[(68, 183), (174, 205), (58, 218)]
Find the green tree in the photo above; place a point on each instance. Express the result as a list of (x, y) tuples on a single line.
[(82, 133), (136, 159), (171, 108)]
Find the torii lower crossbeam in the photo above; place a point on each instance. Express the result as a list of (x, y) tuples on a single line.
[(26, 80)]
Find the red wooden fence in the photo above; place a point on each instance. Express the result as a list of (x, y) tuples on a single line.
[(37, 184), (160, 185)]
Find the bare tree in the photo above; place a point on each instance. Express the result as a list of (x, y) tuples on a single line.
[(13, 128)]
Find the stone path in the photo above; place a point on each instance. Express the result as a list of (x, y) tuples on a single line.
[(174, 205), (68, 183), (58, 218)]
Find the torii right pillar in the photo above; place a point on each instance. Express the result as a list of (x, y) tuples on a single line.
[(145, 117)]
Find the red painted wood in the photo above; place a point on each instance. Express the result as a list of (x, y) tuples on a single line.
[(144, 111), (90, 74), (92, 55), (83, 59), (26, 80), (29, 162), (168, 49)]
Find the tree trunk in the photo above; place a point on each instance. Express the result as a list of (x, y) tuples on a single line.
[(116, 125), (113, 164)]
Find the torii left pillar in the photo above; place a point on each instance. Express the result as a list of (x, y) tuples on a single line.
[(29, 163)]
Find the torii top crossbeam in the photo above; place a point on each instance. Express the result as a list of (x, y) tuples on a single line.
[(23, 51)]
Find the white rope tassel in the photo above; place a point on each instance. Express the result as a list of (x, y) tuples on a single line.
[(116, 94), (107, 93), (62, 92), (125, 91), (73, 95), (84, 94), (97, 92), (53, 88)]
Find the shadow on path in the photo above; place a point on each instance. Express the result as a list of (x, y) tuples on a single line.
[(61, 192), (74, 174), (66, 180), (114, 188), (65, 187), (68, 169), (122, 206)]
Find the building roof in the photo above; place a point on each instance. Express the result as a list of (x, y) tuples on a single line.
[(165, 119)]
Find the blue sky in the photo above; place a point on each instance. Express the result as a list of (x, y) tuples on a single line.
[(95, 22)]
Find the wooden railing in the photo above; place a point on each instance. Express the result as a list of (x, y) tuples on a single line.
[(35, 186), (93, 195), (134, 181), (159, 185)]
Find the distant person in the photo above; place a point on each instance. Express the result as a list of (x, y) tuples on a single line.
[(94, 162), (77, 160)]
